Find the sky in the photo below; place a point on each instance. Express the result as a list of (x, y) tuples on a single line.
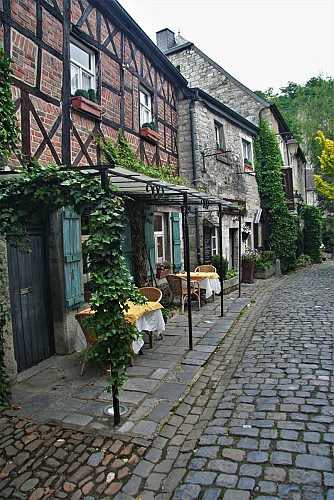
[(261, 43)]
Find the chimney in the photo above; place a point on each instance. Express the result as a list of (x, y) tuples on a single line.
[(165, 39)]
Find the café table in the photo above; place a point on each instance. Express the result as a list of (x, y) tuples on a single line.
[(210, 282), (147, 317)]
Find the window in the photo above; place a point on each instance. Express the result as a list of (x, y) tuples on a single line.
[(214, 241), (247, 153), (159, 238), (220, 136), (82, 68), (145, 107)]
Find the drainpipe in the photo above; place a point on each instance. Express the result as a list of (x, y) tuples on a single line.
[(194, 161)]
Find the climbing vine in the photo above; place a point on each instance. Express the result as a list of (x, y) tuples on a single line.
[(9, 130), (312, 232), (282, 224), (32, 195)]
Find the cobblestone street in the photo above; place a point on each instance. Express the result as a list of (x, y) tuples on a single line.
[(257, 422)]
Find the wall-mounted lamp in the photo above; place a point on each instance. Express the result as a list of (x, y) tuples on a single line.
[(292, 146)]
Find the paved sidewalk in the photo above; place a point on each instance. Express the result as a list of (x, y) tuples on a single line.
[(54, 393)]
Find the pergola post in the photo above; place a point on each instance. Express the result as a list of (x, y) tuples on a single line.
[(239, 255), (187, 264), (220, 211)]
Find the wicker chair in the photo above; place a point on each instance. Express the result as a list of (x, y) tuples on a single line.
[(206, 268), (178, 286), (153, 295), (89, 335)]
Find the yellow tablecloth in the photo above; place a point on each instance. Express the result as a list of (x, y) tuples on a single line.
[(199, 276), (136, 311)]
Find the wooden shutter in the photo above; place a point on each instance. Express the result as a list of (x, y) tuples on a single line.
[(72, 258), (177, 260), (149, 238)]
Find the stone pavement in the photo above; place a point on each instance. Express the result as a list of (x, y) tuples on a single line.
[(255, 419)]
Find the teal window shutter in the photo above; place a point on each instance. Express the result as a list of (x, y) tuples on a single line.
[(149, 238), (127, 246), (72, 258), (177, 259)]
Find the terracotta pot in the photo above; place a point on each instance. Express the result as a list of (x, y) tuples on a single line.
[(163, 273), (149, 134), (248, 267), (80, 102)]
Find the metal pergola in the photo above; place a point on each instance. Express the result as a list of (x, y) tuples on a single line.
[(154, 191)]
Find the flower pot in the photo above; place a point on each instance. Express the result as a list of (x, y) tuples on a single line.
[(248, 267), (149, 134), (163, 273), (90, 107)]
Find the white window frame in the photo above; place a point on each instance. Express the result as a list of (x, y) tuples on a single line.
[(247, 149), (220, 135), (214, 241), (145, 101), (91, 71), (157, 236)]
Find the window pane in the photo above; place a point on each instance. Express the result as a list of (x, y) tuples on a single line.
[(80, 56), (74, 78), (160, 247), (157, 223), (86, 81)]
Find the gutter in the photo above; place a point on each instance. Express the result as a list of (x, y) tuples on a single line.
[(194, 161)]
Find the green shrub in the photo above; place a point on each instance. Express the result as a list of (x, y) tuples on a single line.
[(231, 273), (216, 264), (312, 232), (82, 93), (92, 95), (268, 255)]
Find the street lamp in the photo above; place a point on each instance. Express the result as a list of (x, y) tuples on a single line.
[(292, 146)]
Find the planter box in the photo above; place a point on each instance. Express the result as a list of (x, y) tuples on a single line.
[(164, 273), (248, 267), (231, 285), (149, 134), (264, 274), (248, 167), (81, 103)]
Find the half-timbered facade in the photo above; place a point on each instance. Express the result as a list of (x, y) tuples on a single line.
[(81, 68)]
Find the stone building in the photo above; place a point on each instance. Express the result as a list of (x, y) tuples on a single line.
[(203, 73)]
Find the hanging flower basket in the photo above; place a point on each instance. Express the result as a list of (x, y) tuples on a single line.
[(244, 235)]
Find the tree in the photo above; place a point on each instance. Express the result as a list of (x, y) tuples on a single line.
[(282, 224), (324, 181)]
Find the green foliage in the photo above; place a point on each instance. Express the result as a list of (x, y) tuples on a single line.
[(92, 95), (266, 260), (324, 181), (282, 224), (216, 264), (312, 232), (149, 125), (9, 130), (328, 233), (231, 273), (81, 93), (122, 155), (39, 190)]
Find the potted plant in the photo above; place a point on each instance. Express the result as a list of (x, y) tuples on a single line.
[(86, 101), (248, 260), (163, 269), (9, 130), (221, 151), (147, 130), (248, 164)]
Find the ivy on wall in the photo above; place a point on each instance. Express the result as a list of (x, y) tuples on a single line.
[(36, 192), (312, 232), (9, 130), (282, 224)]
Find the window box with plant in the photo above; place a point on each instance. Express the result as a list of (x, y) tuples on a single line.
[(85, 100), (147, 130), (248, 164), (163, 269)]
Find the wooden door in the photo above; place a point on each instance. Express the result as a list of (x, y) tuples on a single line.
[(30, 303)]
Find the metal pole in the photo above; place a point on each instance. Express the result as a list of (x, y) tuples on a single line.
[(221, 260), (239, 255), (187, 265)]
